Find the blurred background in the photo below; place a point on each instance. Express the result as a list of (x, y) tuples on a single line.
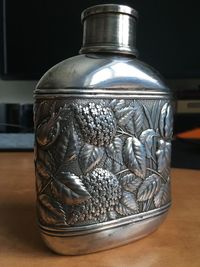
[(35, 35)]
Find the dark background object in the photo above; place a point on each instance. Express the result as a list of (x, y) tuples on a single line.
[(35, 35), (185, 122), (190, 119), (26, 118), (16, 118), (185, 154), (16, 127), (10, 118)]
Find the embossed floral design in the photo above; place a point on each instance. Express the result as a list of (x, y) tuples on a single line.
[(97, 123), (48, 130), (110, 160), (105, 192)]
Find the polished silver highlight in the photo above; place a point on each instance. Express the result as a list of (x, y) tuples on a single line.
[(102, 240), (102, 71), (103, 129), (103, 236)]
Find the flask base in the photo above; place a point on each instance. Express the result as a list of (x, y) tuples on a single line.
[(92, 238)]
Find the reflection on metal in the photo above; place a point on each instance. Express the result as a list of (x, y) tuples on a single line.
[(83, 72), (123, 34), (120, 70), (103, 129)]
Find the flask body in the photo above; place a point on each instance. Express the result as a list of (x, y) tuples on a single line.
[(103, 128)]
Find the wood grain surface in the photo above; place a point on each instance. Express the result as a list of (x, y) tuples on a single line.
[(176, 243)]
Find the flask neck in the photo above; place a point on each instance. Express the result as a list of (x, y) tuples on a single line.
[(109, 28)]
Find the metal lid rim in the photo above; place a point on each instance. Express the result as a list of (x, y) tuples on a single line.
[(108, 8)]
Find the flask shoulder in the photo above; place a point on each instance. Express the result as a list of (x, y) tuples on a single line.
[(102, 71)]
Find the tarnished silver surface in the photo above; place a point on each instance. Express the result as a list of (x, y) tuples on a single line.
[(103, 128), (101, 160), (88, 241), (109, 28), (108, 8)]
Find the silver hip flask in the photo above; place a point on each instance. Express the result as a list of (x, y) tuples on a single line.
[(103, 129)]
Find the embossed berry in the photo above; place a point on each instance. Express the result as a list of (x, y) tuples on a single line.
[(97, 123), (105, 193)]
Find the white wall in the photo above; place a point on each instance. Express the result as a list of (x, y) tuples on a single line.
[(17, 91)]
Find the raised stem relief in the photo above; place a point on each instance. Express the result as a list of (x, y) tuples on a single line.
[(101, 160)]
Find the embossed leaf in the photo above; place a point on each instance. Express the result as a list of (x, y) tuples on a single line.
[(166, 121), (135, 156), (112, 165), (50, 212), (155, 113), (42, 170), (73, 147), (148, 116), (164, 155), (42, 174), (41, 111), (115, 147), (130, 182), (129, 201), (146, 138), (116, 104), (114, 162), (149, 187), (124, 115), (48, 131), (162, 119), (108, 165), (60, 148), (138, 117), (134, 119), (162, 197), (46, 158), (114, 150), (68, 188), (129, 127), (123, 210), (39, 182), (113, 103), (89, 157), (169, 122)]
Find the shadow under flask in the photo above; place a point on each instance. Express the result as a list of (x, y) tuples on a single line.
[(103, 128)]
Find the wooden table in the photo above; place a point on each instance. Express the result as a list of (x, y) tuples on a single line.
[(176, 243)]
